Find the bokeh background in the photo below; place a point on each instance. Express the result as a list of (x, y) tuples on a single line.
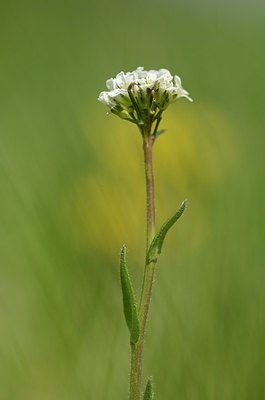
[(72, 191)]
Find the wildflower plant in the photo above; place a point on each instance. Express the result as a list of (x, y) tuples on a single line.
[(141, 97)]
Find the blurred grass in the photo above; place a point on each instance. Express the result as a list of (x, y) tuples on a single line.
[(72, 193)]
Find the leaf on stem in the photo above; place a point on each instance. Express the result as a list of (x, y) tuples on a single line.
[(129, 303), (149, 392), (157, 243), (158, 133)]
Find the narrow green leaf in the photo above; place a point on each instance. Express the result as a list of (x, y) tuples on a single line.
[(160, 132), (149, 392), (157, 243), (129, 303)]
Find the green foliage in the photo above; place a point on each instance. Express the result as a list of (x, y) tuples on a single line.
[(149, 392), (129, 303), (157, 243)]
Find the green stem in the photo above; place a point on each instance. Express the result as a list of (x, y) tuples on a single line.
[(137, 349)]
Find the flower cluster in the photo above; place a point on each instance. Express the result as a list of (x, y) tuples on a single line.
[(142, 96)]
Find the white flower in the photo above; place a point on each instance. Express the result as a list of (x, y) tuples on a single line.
[(141, 96)]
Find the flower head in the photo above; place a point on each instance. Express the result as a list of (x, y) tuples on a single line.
[(141, 96)]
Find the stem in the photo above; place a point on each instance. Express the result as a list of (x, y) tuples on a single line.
[(150, 190), (137, 349)]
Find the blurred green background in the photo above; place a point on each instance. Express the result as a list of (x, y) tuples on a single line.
[(72, 191)]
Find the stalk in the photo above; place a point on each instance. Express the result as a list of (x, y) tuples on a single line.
[(141, 97), (137, 349)]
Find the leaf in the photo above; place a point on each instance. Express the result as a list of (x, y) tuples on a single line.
[(129, 303), (160, 132), (157, 134), (157, 243), (149, 393)]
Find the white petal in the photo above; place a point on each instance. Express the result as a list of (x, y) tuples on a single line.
[(117, 92), (151, 77), (110, 84), (120, 79), (177, 80), (153, 71), (164, 71), (188, 97), (140, 73), (140, 81), (104, 98), (129, 77)]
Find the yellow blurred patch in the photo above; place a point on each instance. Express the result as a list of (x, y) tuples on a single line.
[(191, 160)]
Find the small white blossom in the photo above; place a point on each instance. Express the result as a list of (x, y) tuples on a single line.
[(141, 96)]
